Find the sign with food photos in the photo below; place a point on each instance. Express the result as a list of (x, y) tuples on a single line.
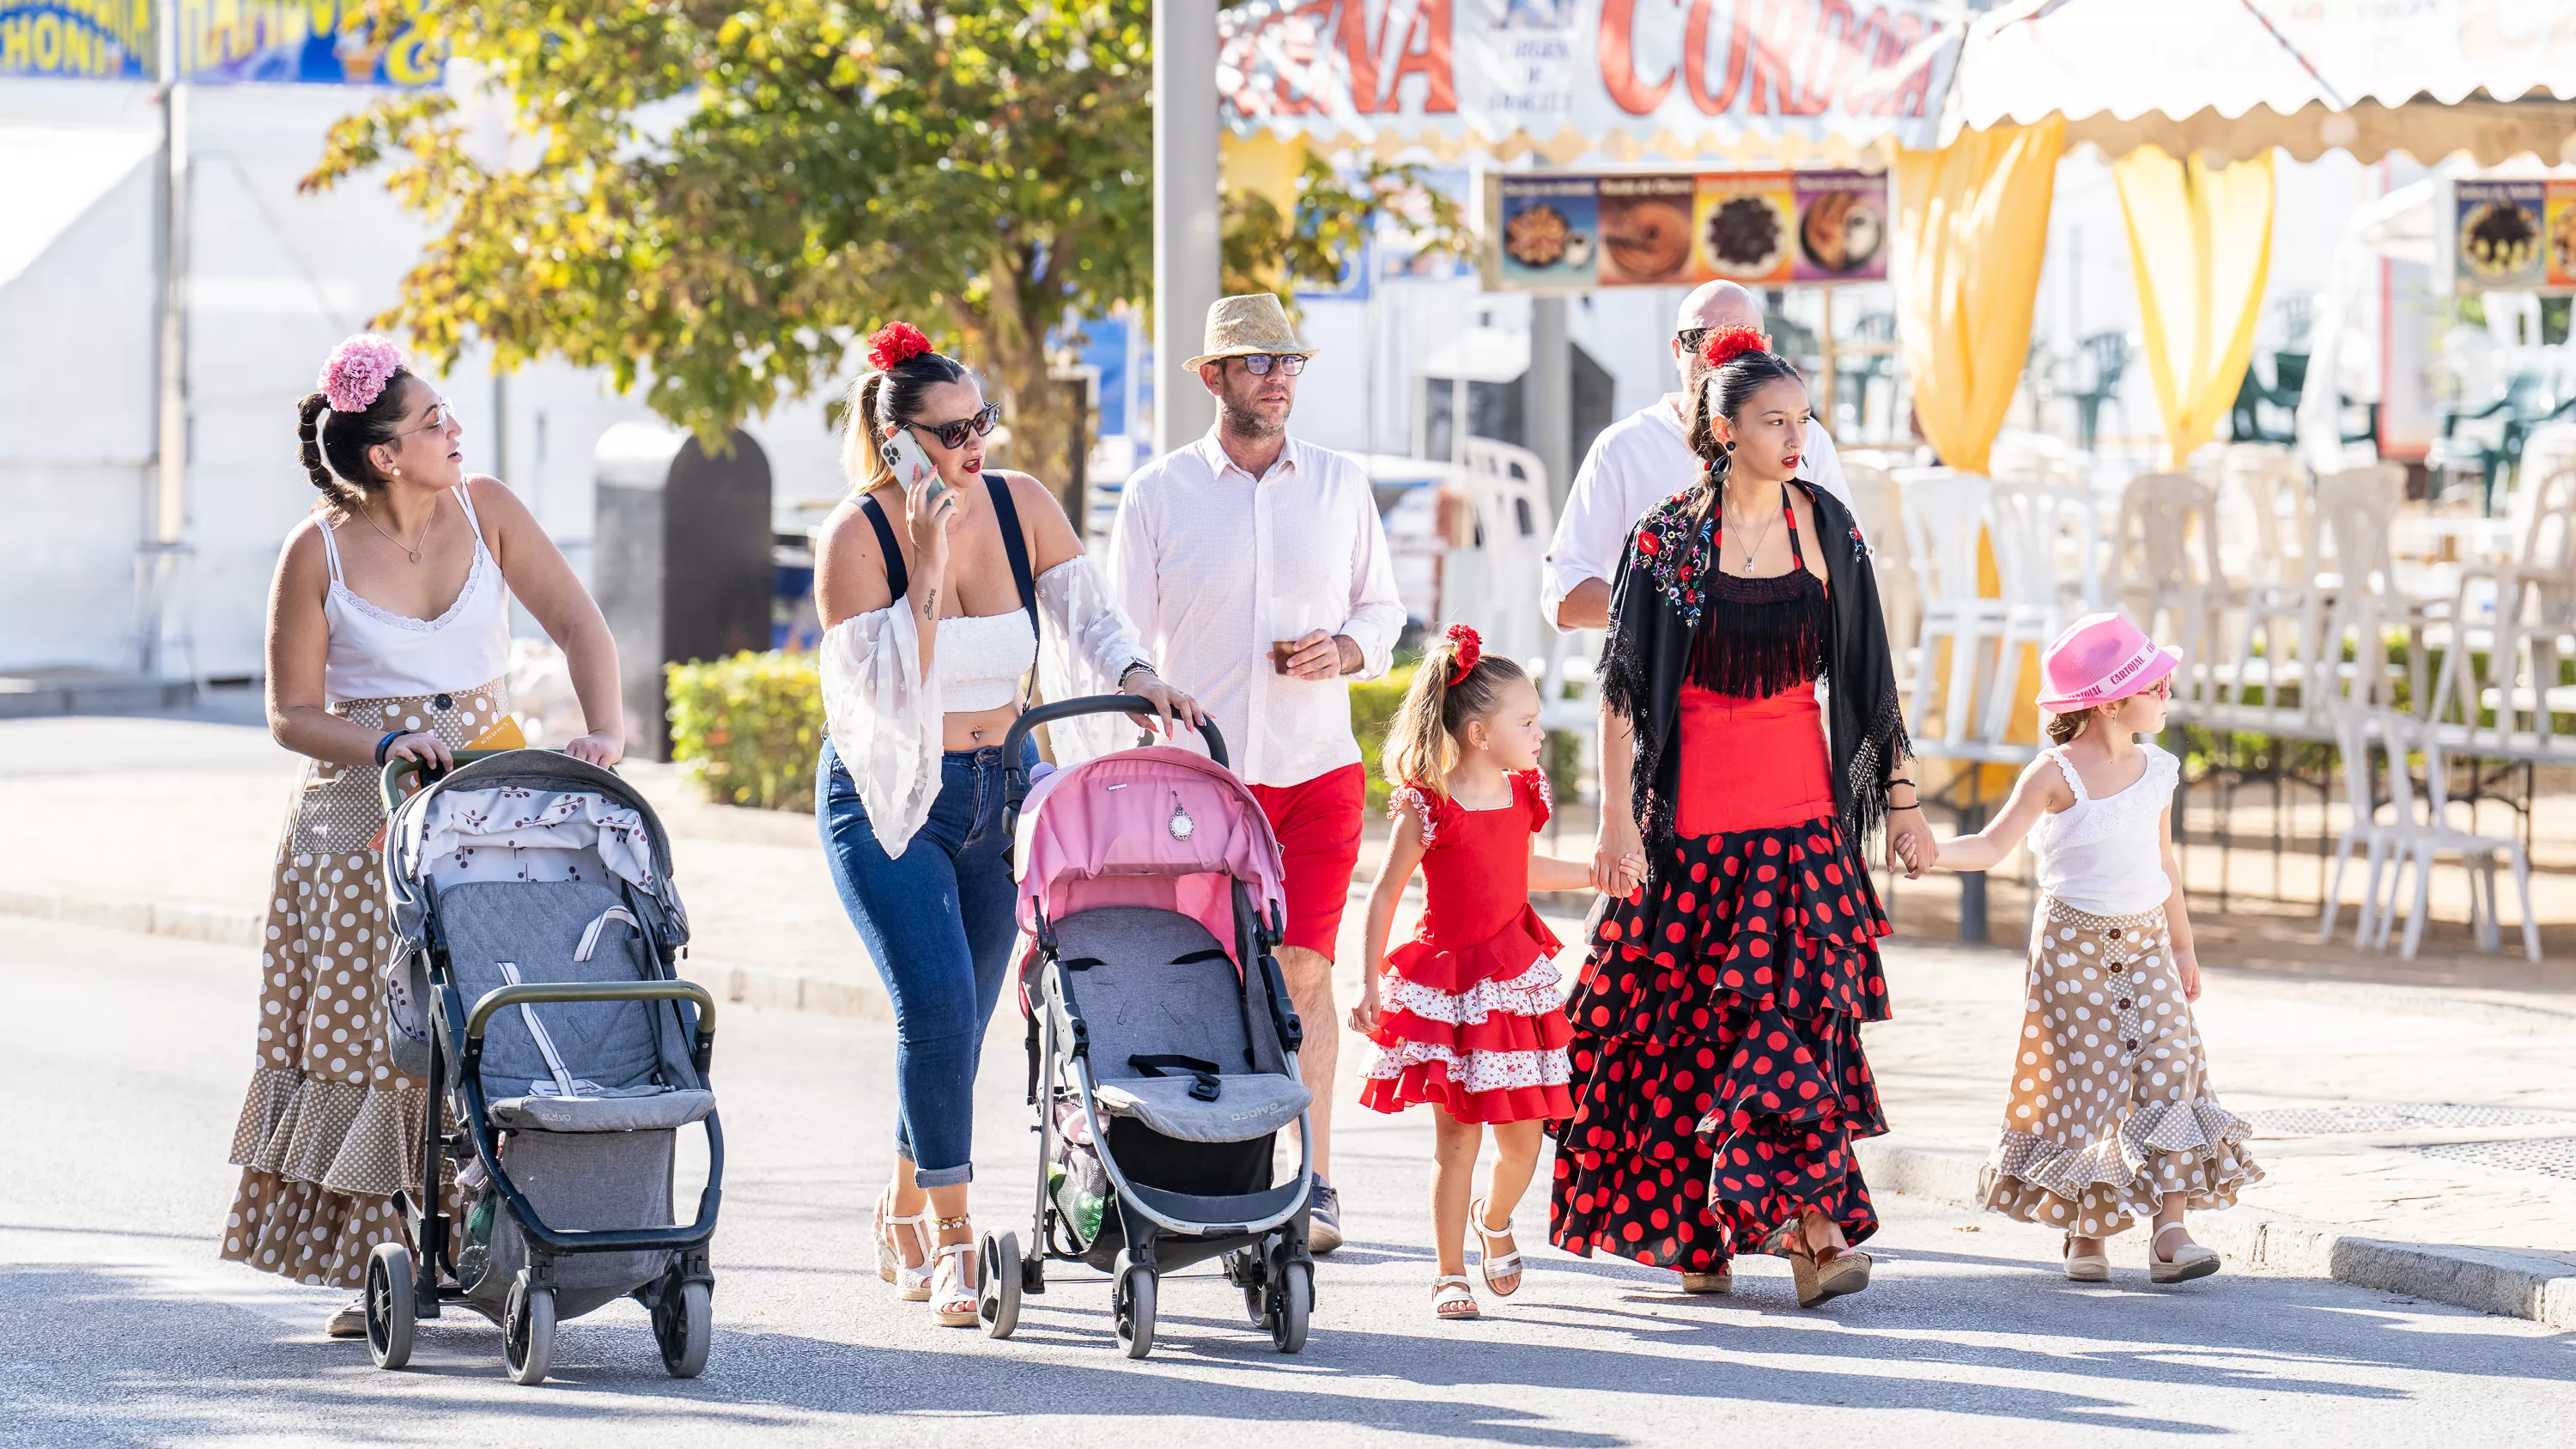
[(2513, 236), (1554, 232)]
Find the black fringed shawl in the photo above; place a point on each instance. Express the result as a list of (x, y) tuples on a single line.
[(1658, 605)]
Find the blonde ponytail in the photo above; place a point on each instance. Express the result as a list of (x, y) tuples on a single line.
[(1422, 744)]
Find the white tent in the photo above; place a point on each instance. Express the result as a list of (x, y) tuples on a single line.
[(2492, 78)]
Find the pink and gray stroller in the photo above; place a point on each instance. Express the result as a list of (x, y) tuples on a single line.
[(1162, 1040)]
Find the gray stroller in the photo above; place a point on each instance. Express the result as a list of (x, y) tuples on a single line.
[(1162, 1041), (539, 930)]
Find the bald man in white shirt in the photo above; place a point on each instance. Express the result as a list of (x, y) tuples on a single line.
[(1645, 458)]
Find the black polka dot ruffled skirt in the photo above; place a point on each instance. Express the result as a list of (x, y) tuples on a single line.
[(1718, 1076)]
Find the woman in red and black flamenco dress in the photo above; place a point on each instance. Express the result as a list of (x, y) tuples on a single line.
[(1718, 1075)]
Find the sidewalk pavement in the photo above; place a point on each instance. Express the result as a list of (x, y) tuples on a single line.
[(2420, 1135)]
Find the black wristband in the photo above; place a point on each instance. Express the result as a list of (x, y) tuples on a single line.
[(390, 737), (1124, 674), (1892, 809), (1899, 780)]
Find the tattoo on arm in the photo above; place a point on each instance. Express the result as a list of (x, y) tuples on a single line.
[(930, 605)]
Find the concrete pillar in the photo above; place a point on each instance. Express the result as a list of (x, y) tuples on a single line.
[(1550, 396), (1187, 278)]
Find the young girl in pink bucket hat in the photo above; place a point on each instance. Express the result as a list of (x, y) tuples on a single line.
[(2110, 1115)]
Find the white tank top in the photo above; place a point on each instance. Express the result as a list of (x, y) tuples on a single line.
[(981, 660), (2104, 856), (379, 654)]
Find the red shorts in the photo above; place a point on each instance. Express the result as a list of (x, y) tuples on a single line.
[(1318, 825)]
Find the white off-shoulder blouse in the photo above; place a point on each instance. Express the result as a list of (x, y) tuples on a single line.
[(884, 714)]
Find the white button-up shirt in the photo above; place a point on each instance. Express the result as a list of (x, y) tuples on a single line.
[(1213, 565), (1636, 463)]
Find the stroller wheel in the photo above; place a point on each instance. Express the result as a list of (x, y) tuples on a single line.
[(683, 1324), (998, 1280), (1131, 1304), (391, 1304), (528, 1331), (1292, 1298)]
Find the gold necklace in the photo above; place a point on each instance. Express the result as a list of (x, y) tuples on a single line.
[(412, 549)]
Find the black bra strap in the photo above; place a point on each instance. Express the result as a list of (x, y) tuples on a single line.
[(1006, 515), (897, 580)]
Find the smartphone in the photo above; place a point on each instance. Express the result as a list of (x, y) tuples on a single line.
[(903, 454)]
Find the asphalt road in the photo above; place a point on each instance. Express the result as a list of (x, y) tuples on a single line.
[(125, 1059)]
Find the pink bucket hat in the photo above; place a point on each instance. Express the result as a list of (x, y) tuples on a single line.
[(2100, 659)]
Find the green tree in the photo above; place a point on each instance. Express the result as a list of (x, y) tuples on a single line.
[(716, 201)]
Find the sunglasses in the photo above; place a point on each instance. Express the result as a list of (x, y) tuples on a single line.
[(441, 414), (1691, 337), (1259, 364), (954, 435)]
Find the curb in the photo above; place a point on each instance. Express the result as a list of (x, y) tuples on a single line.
[(2488, 1280), (234, 926)]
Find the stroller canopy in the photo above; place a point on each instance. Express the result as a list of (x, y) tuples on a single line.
[(1159, 827)]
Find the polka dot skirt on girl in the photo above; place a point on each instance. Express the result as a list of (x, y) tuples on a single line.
[(1471, 1020), (329, 1131)]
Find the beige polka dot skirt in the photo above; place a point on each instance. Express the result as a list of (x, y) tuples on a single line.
[(329, 1130), (2110, 1106)]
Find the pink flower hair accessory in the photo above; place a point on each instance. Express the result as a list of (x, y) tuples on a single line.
[(358, 370)]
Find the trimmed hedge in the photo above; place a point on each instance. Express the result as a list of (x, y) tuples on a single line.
[(750, 727)]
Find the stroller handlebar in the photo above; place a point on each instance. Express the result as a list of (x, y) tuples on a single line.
[(501, 997), (397, 769), (1096, 704), (1015, 777)]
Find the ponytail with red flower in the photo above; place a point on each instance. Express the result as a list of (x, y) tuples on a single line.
[(896, 343), (1468, 647), (1729, 343)]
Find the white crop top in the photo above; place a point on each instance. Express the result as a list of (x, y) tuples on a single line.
[(884, 717), (379, 654), (982, 658), (2105, 856)]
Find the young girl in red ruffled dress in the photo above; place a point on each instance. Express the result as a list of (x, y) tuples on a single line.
[(1467, 1014)]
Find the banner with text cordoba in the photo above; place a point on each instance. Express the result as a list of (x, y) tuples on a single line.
[(1787, 82)]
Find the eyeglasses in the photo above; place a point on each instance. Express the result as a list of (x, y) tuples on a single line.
[(1691, 337), (1259, 364), (953, 435), (441, 413)]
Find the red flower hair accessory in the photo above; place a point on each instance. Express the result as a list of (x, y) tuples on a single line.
[(1471, 649), (896, 343), (1729, 343)]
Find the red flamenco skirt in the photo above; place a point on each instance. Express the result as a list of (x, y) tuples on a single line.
[(1477, 1033), (1718, 1075)]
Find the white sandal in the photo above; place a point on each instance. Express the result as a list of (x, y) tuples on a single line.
[(2189, 1261), (952, 1278), (2093, 1267), (911, 1280), (1490, 1264), (1452, 1299)]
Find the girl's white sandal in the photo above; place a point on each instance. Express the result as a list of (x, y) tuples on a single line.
[(2189, 1261), (1490, 1264), (911, 1280), (1451, 1298)]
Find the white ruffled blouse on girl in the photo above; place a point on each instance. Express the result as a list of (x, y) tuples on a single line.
[(884, 715)]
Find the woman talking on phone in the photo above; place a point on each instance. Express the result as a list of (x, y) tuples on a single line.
[(937, 584)]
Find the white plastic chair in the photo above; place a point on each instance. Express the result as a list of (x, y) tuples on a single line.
[(2029, 523), (2166, 558), (2429, 833), (2355, 509), (2371, 821), (1945, 513)]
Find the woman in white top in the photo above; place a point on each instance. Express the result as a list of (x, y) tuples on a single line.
[(2110, 1116), (388, 634), (932, 598)]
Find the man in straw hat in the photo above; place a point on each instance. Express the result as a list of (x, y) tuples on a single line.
[(1257, 569)]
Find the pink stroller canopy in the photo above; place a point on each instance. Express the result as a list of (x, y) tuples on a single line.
[(1158, 827)]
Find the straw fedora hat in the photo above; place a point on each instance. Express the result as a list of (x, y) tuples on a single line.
[(1242, 326)]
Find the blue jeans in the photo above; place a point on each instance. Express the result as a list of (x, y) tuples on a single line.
[(938, 922)]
